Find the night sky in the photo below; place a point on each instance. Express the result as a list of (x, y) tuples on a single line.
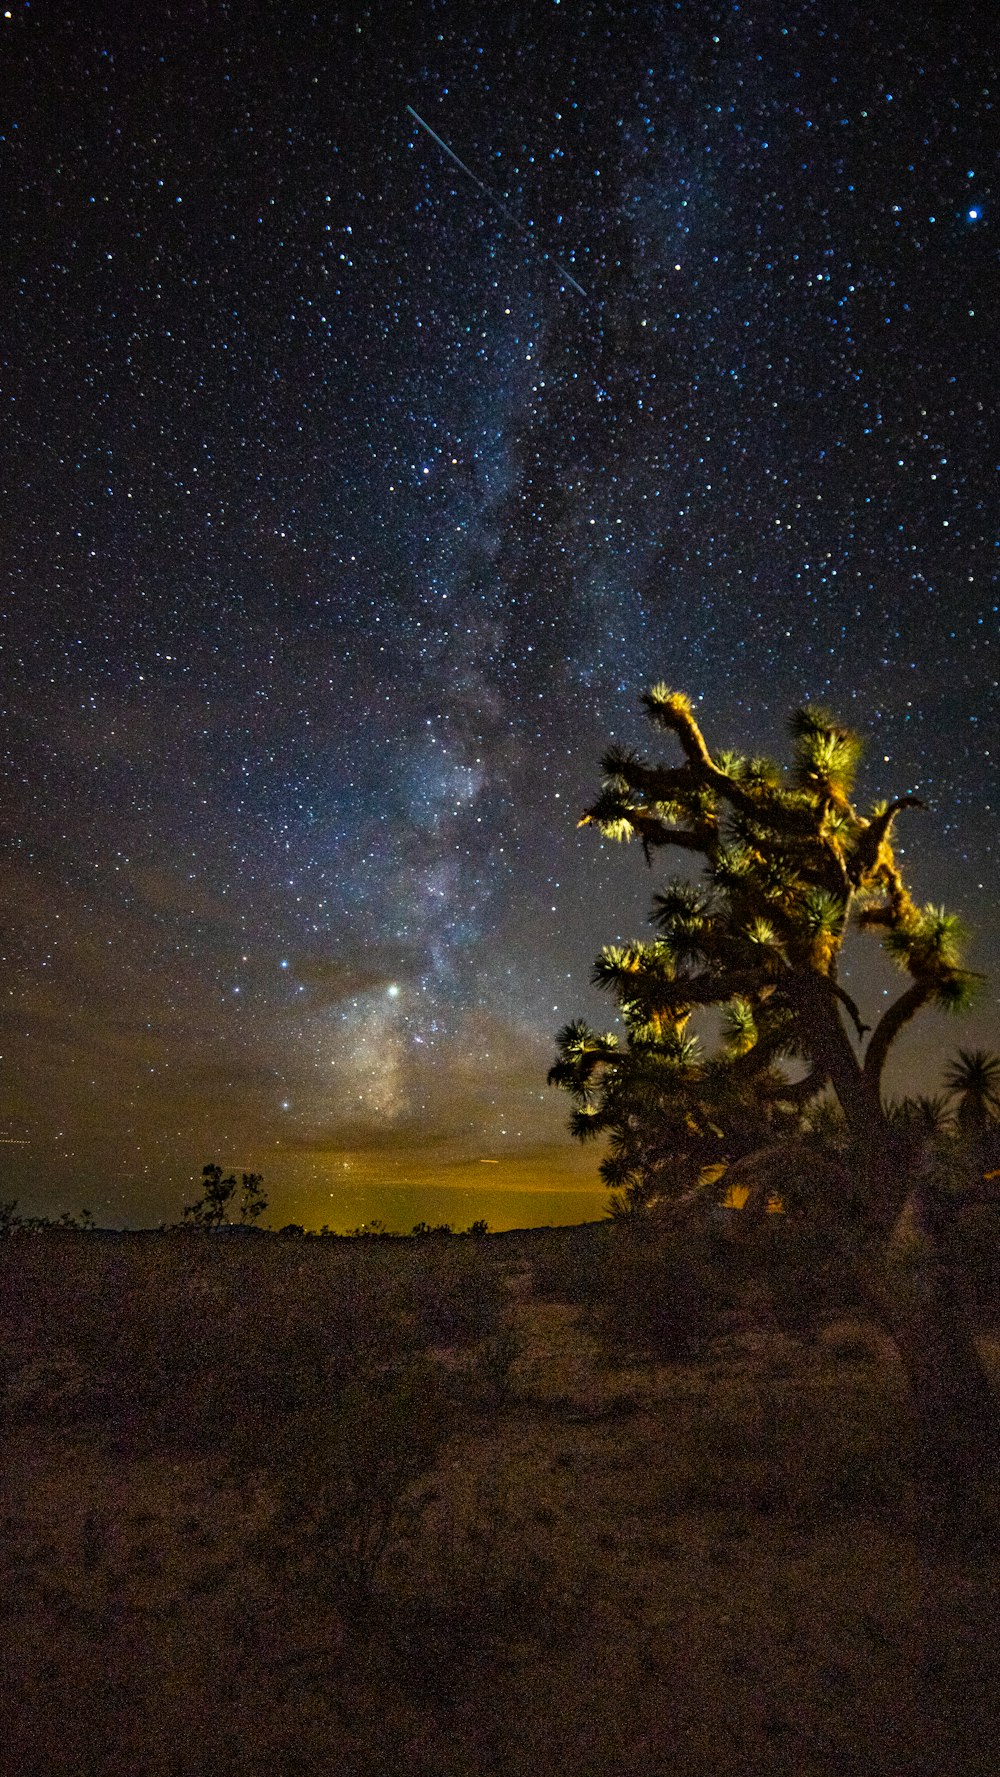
[(341, 532)]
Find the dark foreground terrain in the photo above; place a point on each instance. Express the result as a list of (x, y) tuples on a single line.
[(429, 1507)]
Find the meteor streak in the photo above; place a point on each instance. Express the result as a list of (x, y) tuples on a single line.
[(501, 206)]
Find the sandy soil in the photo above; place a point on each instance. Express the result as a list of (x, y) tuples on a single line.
[(581, 1587)]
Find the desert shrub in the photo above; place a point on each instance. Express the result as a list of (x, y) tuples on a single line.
[(193, 1340), (663, 1294), (650, 1289), (455, 1298), (457, 1634), (61, 1297), (977, 1257), (188, 1338), (807, 1277), (250, 1336), (661, 1297), (478, 1591), (568, 1265), (481, 1381), (493, 1373), (342, 1472), (787, 1448)]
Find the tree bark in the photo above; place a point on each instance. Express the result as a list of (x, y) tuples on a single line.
[(921, 1304), (954, 1402)]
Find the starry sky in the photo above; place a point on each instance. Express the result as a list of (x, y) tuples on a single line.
[(341, 532)]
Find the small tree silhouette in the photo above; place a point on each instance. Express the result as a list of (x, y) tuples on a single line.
[(210, 1209), (253, 1201)]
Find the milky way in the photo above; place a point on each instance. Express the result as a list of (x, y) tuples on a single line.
[(341, 533)]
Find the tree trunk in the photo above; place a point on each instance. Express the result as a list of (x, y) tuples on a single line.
[(919, 1300), (956, 1409)]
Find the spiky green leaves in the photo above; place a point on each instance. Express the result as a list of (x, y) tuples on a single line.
[(638, 801), (823, 914), (974, 1077), (825, 755), (681, 903), (789, 867), (577, 1039), (734, 867), (667, 708), (582, 1054), (760, 774), (925, 1115), (957, 993), (615, 963), (761, 936), (616, 827), (652, 995), (927, 944), (585, 1123), (823, 919), (739, 1027), (619, 767), (684, 914)]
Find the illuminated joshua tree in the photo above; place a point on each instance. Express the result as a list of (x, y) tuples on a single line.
[(790, 867)]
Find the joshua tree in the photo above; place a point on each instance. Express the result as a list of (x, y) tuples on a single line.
[(673, 1115), (927, 1117), (974, 1078), (789, 868)]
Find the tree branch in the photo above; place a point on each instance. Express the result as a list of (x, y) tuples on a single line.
[(764, 1163), (877, 831), (846, 1000), (672, 710), (826, 1040), (650, 829), (660, 783), (889, 1026), (800, 1091), (695, 990), (654, 832), (875, 916)]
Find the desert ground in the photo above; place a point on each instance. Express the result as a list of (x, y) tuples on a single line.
[(463, 1506)]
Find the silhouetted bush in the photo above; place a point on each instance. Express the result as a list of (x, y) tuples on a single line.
[(455, 1298), (977, 1256), (808, 1280), (661, 1295), (197, 1341), (783, 1447), (341, 1470), (669, 1290), (569, 1264)]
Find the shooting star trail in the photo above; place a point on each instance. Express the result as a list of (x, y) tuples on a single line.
[(501, 206)]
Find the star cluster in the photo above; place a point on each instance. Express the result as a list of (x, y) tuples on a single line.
[(341, 532)]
